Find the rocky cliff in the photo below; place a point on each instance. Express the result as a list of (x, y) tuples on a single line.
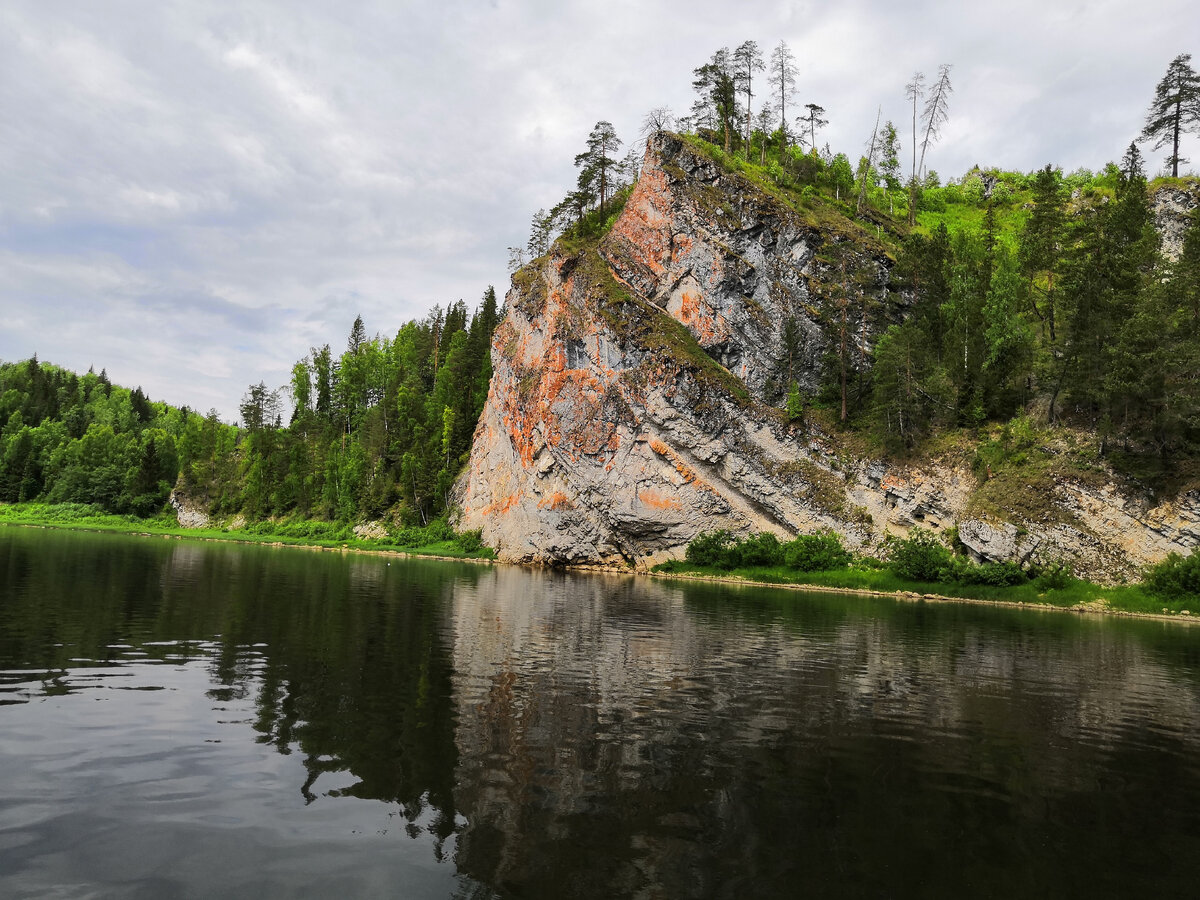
[(638, 379)]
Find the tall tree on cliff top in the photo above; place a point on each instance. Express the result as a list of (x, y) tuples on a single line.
[(717, 104), (783, 79), (748, 59), (1175, 109), (914, 91), (937, 111), (868, 163), (599, 159)]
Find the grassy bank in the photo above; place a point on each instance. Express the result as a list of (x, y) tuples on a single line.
[(435, 540), (1073, 592)]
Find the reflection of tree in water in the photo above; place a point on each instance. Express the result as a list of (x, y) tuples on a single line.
[(356, 675)]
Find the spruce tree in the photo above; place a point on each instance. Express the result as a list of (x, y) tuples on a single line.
[(1175, 109), (1041, 245)]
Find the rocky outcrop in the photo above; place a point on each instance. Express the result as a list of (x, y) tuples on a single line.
[(637, 384), (1173, 207), (622, 418), (188, 512)]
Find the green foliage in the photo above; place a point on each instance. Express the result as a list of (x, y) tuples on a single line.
[(1053, 576), (1176, 577), (795, 403), (919, 557), (762, 549), (712, 548), (818, 552), (997, 574)]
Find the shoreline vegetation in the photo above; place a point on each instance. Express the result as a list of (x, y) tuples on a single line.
[(922, 566), (1073, 595), (436, 541)]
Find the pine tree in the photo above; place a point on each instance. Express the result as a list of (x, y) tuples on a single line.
[(814, 121), (716, 84), (598, 161), (1175, 109)]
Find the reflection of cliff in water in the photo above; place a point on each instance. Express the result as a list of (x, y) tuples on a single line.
[(619, 736)]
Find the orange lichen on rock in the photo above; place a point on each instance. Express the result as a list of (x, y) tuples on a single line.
[(499, 507), (684, 470), (644, 227), (695, 314), (556, 500), (655, 500)]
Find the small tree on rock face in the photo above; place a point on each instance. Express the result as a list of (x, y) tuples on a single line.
[(814, 121), (657, 121), (1175, 109), (540, 227)]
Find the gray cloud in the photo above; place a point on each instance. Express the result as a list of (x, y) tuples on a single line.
[(193, 194)]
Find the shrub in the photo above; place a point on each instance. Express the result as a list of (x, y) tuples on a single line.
[(996, 574), (1053, 576), (711, 548), (816, 552), (920, 557), (762, 549), (469, 541), (1176, 576)]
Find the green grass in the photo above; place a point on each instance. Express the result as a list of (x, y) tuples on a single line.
[(302, 533), (1076, 593)]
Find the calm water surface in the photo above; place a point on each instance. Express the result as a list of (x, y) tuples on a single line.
[(182, 719)]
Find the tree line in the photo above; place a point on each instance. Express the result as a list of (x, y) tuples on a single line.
[(380, 429)]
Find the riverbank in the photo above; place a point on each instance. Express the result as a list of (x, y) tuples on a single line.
[(1077, 596), (74, 518), (1099, 606), (1071, 595)]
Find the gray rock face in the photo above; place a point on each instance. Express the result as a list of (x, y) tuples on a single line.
[(1172, 208), (188, 513), (740, 270), (636, 382)]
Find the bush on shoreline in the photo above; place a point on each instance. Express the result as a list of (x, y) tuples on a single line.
[(921, 557)]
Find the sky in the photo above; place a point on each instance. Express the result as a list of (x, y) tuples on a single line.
[(194, 194)]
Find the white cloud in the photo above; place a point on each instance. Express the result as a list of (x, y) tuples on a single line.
[(192, 195)]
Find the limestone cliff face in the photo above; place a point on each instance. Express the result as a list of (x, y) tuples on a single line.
[(624, 415), (634, 401)]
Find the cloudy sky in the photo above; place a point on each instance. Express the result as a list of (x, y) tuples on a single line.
[(192, 194)]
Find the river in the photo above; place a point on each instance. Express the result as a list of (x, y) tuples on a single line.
[(186, 719)]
